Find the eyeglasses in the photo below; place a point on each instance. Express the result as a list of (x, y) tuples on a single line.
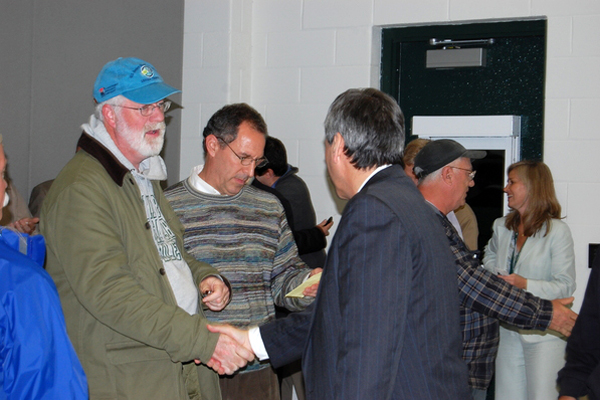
[(471, 172), (258, 162), (148, 109)]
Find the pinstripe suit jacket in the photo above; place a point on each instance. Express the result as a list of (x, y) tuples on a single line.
[(385, 324)]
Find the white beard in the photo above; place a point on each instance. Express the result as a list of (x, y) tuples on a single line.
[(137, 139)]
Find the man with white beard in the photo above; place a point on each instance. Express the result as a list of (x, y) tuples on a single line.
[(129, 290)]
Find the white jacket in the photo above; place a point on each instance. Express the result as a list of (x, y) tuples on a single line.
[(547, 262)]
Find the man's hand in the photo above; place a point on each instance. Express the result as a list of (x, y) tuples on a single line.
[(239, 335), (25, 225), (563, 319), (312, 290), (515, 280), (233, 349), (215, 293), (324, 226)]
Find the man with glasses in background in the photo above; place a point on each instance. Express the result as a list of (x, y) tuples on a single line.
[(129, 291), (445, 175), (243, 232)]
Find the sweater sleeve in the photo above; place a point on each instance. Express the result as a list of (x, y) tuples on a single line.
[(309, 240), (288, 271)]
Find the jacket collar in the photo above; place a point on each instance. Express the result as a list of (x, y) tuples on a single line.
[(113, 167), (383, 174)]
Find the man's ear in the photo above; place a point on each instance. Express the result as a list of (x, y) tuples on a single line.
[(268, 177), (448, 175), (109, 115), (269, 173), (212, 144), (337, 147)]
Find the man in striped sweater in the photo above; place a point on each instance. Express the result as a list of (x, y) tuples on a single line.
[(242, 231)]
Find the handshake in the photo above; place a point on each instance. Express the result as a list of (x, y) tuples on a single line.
[(233, 350)]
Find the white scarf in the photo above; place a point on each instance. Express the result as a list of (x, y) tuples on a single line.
[(153, 168)]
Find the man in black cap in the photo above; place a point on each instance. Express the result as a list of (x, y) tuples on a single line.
[(445, 175)]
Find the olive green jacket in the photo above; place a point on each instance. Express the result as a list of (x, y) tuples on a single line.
[(133, 341)]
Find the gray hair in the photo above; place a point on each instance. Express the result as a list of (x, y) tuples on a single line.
[(115, 101), (371, 124), (430, 178), (0, 138)]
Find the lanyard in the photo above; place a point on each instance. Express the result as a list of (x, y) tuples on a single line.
[(514, 259)]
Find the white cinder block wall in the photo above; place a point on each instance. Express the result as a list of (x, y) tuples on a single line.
[(291, 58)]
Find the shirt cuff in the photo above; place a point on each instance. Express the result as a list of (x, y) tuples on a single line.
[(256, 342)]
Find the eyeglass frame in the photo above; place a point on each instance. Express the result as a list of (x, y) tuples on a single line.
[(247, 160), (163, 106), (470, 171)]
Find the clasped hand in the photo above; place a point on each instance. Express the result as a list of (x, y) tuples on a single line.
[(233, 350), (215, 293), (515, 280)]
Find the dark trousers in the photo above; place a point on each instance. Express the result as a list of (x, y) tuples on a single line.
[(257, 385), (291, 378)]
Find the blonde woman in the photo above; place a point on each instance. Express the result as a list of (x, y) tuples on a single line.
[(531, 248)]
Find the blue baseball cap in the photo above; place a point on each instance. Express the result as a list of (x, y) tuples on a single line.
[(133, 78)]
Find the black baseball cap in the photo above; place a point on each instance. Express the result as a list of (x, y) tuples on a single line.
[(437, 153)]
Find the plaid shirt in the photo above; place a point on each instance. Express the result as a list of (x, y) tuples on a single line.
[(485, 300)]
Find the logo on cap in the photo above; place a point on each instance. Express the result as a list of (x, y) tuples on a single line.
[(147, 71)]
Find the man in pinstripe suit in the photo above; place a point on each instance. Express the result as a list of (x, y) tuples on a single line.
[(385, 324)]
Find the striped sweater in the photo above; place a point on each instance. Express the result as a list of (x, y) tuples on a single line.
[(247, 238)]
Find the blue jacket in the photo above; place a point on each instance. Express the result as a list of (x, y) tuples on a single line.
[(37, 360)]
